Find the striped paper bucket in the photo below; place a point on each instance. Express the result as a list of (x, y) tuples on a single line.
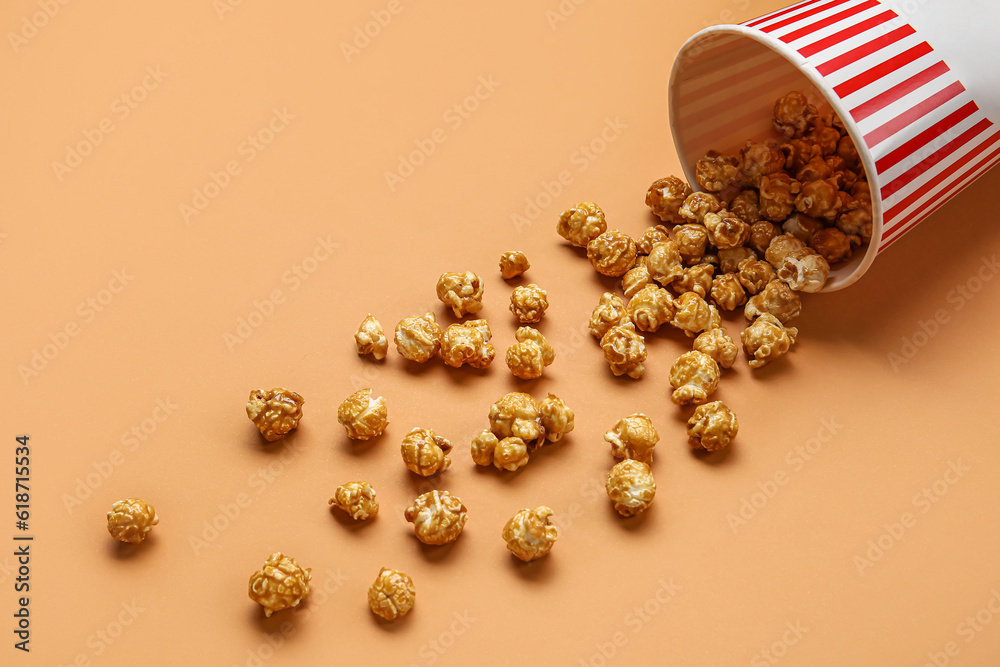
[(915, 82)]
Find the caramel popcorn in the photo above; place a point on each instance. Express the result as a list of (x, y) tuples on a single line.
[(612, 253), (712, 426), (816, 169), (693, 376), (716, 172), (510, 454), (529, 534), (697, 205), (279, 584), (362, 416), (635, 279), (530, 354), (696, 279), (665, 197), (633, 437), (776, 299), (370, 338), (650, 237), (760, 160), (468, 343), (557, 419), (799, 153), (528, 303), (693, 314), (804, 270), (746, 206), (424, 452), (844, 175), (581, 224), (462, 292), (691, 240), (664, 262), (609, 313), (727, 292), (418, 338), (357, 499), (820, 199), (767, 339), (848, 152), (513, 264), (834, 245), (761, 235), (483, 446), (755, 274), (780, 247), (801, 226), (516, 414), (392, 594), (624, 350), (824, 136), (777, 196), (651, 308), (857, 220), (631, 487), (274, 412), (717, 344), (437, 517), (131, 519), (793, 114), (730, 258)]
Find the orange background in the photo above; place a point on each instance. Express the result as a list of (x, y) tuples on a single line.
[(687, 584)]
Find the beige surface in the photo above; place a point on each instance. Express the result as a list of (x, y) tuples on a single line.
[(309, 232)]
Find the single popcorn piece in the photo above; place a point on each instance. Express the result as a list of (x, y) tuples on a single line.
[(804, 270), (777, 196), (633, 437), (651, 308), (483, 446), (760, 160), (437, 517), (131, 520), (691, 240), (624, 350), (362, 416), (767, 339), (717, 344), (582, 223), (730, 258), (418, 338), (357, 499), (609, 313), (528, 303), (697, 279), (754, 275), (692, 315), (462, 292), (694, 376), (274, 412), (665, 196), (746, 205), (776, 299), (635, 279), (792, 114), (801, 226), (530, 354), (631, 487), (513, 264), (816, 169), (425, 452), (824, 136), (761, 235), (370, 338), (557, 418), (715, 172), (392, 594), (781, 246), (664, 262), (510, 454), (698, 205), (712, 426), (280, 584), (529, 534), (820, 199), (834, 245), (650, 237), (612, 253), (727, 292), (517, 415), (468, 343)]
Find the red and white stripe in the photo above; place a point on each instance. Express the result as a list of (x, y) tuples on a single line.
[(927, 136)]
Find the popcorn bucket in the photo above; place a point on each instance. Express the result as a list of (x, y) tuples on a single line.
[(914, 81)]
